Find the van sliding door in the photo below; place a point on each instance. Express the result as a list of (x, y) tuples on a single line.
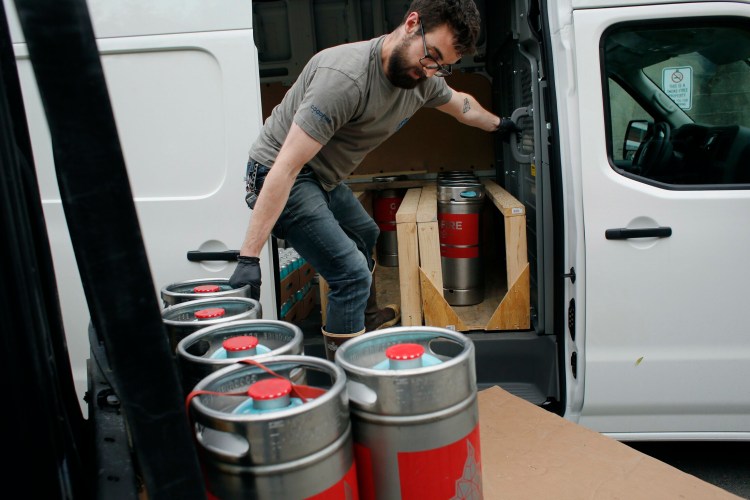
[(663, 110)]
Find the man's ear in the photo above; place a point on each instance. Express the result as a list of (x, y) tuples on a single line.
[(412, 22)]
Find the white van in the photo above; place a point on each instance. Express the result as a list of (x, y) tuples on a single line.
[(633, 167)]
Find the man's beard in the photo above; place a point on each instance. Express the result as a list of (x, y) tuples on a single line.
[(398, 70)]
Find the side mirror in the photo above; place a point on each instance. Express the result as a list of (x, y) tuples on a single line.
[(635, 134)]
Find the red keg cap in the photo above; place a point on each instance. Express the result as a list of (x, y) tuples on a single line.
[(206, 289), (211, 312), (270, 388), (404, 352), (240, 343)]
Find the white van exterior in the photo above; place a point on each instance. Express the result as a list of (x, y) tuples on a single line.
[(183, 81), (640, 338)]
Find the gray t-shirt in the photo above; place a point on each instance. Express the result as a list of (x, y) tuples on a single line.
[(344, 100)]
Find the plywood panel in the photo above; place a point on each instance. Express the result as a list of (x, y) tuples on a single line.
[(431, 141)]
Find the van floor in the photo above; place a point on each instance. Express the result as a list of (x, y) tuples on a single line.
[(492, 355), (388, 292)]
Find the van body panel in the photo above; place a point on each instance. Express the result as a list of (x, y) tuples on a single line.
[(668, 4), (142, 17), (186, 107)]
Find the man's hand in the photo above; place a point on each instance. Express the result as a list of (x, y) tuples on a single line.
[(247, 272), (507, 127)]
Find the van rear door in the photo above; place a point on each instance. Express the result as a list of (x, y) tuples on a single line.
[(183, 80)]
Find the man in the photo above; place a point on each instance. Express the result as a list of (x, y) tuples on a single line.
[(346, 102)]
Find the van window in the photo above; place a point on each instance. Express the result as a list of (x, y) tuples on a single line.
[(678, 103)]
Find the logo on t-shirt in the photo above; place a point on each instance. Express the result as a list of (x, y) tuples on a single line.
[(402, 123), (320, 115)]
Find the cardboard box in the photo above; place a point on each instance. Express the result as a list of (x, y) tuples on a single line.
[(288, 286), (530, 453), (306, 273), (306, 305), (293, 314)]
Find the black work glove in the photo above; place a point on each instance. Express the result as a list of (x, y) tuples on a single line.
[(247, 272), (507, 127)]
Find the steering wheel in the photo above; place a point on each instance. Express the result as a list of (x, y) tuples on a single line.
[(654, 151)]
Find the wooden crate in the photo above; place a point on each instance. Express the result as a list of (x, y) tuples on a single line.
[(288, 286), (420, 277), (502, 309)]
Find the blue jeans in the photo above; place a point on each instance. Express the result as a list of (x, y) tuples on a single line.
[(335, 234)]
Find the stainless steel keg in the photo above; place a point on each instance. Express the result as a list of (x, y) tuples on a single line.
[(413, 401), (214, 347), (385, 206), (176, 293), (459, 210), (187, 317), (267, 441)]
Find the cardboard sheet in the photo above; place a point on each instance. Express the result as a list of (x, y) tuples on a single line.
[(529, 453)]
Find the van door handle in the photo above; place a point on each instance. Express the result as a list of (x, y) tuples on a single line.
[(623, 233), (198, 256), (513, 140)]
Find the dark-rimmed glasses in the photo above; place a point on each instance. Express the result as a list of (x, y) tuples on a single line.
[(429, 62)]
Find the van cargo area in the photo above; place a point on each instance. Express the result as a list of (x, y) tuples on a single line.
[(522, 359)]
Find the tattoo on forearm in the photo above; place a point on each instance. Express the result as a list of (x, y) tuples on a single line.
[(467, 106)]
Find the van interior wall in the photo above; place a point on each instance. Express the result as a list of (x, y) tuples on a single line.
[(431, 142)]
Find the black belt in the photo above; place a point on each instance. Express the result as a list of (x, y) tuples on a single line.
[(260, 169), (257, 172)]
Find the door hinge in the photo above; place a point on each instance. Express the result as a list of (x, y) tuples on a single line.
[(571, 274)]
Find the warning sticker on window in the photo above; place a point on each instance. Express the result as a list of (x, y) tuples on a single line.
[(678, 85)]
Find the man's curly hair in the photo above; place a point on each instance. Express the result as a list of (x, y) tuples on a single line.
[(461, 15)]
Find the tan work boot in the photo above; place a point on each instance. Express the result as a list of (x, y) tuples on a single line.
[(376, 318), (332, 341)]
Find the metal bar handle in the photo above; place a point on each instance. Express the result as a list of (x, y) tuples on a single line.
[(198, 256), (623, 233), (517, 155)]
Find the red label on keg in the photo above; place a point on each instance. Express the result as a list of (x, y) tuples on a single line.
[(363, 458), (384, 211), (453, 471), (345, 489), (459, 252), (458, 229)]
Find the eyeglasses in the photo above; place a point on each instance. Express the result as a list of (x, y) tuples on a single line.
[(429, 62)]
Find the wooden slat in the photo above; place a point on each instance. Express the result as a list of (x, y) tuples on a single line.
[(508, 205), (428, 233), (516, 256), (513, 313), (514, 215), (408, 259), (323, 286), (437, 312)]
